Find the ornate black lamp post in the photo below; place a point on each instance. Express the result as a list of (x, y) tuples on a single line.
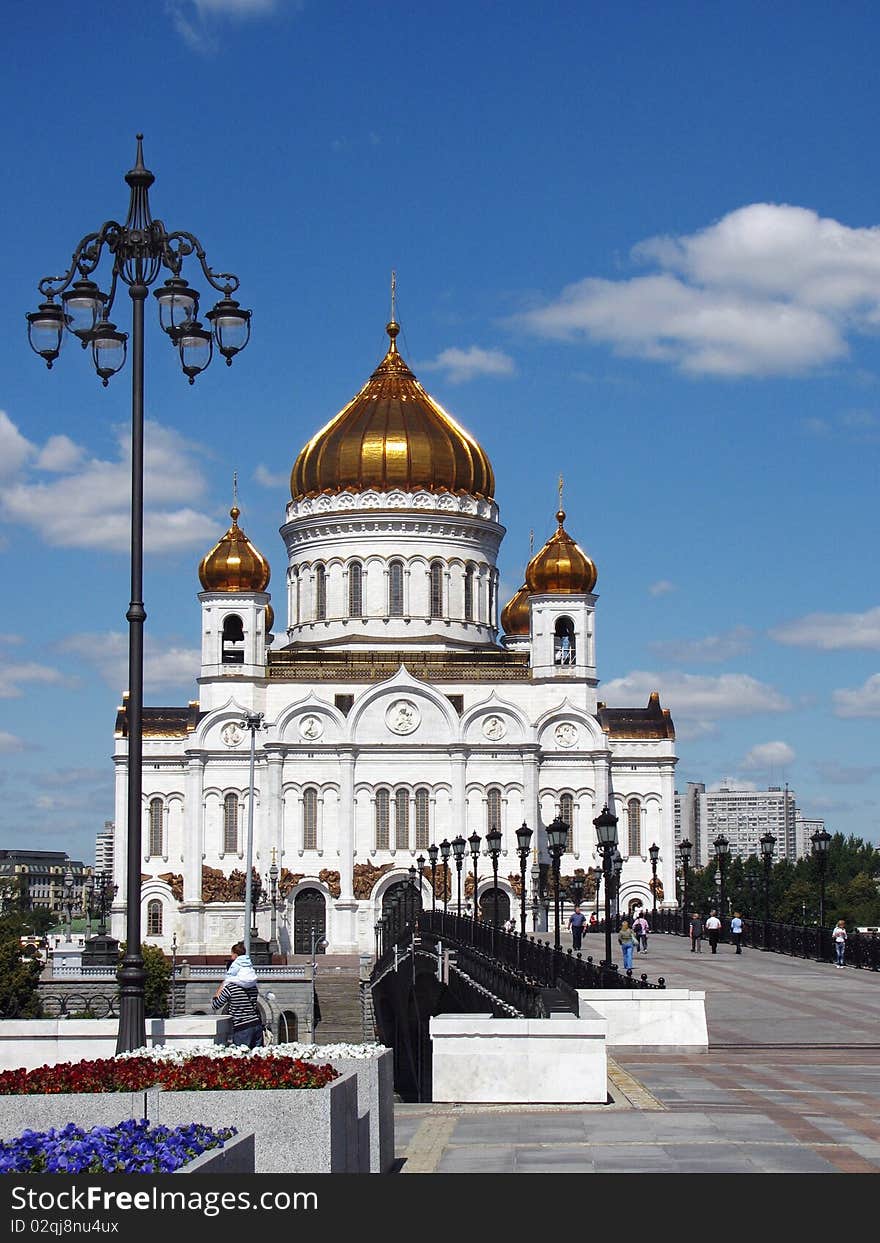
[(445, 849), (722, 854), (684, 849), (617, 866), (523, 844), (654, 853), (606, 838), (493, 843), (458, 848), (820, 841), (273, 894), (768, 841), (557, 836), (68, 901), (475, 841), (140, 249), (433, 852), (88, 900), (411, 895), (256, 893)]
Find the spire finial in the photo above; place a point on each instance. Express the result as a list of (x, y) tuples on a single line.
[(560, 514), (235, 511), (392, 327), (531, 542)]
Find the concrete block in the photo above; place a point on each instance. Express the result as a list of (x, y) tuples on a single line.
[(649, 1020)]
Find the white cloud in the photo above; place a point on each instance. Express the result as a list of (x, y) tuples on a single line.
[(13, 677), (770, 289), (86, 504), (271, 479), (837, 774), (196, 20), (12, 639), (768, 755), (859, 701), (169, 668), (15, 450), (10, 743), (714, 648), (661, 588), (832, 631), (462, 365), (697, 700)]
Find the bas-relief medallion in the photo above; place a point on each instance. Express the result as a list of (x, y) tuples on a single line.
[(566, 734), (311, 727), (494, 728), (402, 717), (231, 733)]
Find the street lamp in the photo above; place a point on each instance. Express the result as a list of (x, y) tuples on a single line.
[(557, 836), (445, 849), (722, 853), (684, 849), (273, 891), (68, 901), (654, 853), (474, 842), (251, 721), (493, 843), (523, 842), (88, 900), (140, 249), (617, 866), (433, 852), (458, 848), (768, 841), (606, 839), (820, 840)]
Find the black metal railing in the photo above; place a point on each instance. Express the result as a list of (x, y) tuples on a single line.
[(795, 940), (536, 961)]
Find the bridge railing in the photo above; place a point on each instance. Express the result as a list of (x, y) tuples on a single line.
[(536, 960), (795, 940)]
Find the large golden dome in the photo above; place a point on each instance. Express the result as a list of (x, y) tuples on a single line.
[(392, 435), (234, 564), (515, 614), (561, 567)]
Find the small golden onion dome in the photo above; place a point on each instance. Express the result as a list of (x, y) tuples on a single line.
[(270, 618), (234, 564), (515, 614), (392, 435), (561, 567)]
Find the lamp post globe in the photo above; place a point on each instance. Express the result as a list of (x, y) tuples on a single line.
[(138, 249), (523, 846)]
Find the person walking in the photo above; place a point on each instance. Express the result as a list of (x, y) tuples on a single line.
[(240, 1002), (577, 922), (627, 942), (641, 929), (696, 931), (838, 936), (713, 927), (736, 931)]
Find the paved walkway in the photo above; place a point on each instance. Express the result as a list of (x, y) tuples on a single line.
[(791, 1084)]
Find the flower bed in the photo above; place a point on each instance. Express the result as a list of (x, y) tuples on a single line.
[(128, 1148), (192, 1072)]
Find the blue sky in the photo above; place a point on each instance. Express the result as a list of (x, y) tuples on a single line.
[(636, 244)]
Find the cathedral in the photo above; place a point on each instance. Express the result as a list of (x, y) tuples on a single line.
[(400, 706)]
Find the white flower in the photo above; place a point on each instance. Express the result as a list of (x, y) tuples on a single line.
[(305, 1052)]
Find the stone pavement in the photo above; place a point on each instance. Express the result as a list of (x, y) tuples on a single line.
[(790, 1084)]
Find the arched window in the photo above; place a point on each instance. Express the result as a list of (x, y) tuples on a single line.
[(566, 813), (355, 589), (422, 819), (310, 819), (437, 589), (230, 824), (563, 642), (493, 598), (320, 593), (634, 819), (383, 820), (155, 826), (469, 593), (401, 819), (233, 641), (154, 918), (395, 589), (493, 809), (295, 594)]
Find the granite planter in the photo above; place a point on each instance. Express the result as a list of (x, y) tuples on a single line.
[(39, 1112), (235, 1157), (375, 1107)]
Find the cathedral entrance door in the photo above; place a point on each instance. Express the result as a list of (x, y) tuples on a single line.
[(487, 907), (309, 915), (401, 904)]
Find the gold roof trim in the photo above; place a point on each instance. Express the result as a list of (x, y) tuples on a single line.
[(234, 564), (393, 434), (561, 567)]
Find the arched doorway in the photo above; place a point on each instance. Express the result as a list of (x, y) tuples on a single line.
[(487, 906), (401, 904), (309, 916)]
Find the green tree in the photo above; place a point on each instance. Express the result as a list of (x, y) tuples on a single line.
[(18, 979), (157, 985)]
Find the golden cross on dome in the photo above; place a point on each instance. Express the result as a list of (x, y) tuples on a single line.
[(560, 491), (531, 542), (393, 297), (235, 488)]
